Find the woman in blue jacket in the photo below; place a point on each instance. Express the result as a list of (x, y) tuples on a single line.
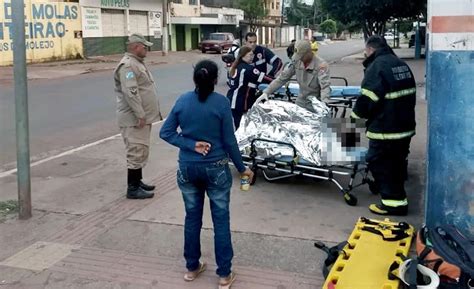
[(206, 142), (244, 80)]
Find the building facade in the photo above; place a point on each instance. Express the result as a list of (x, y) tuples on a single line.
[(268, 26), (192, 22), (106, 24), (52, 30), (219, 3)]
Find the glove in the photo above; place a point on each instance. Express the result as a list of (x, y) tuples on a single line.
[(262, 98)]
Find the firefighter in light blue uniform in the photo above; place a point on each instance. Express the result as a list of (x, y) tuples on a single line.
[(244, 80)]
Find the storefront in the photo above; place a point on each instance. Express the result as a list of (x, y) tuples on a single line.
[(106, 24)]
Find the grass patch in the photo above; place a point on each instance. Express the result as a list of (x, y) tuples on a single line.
[(7, 208)]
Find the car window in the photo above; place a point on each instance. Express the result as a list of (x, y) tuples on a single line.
[(217, 37)]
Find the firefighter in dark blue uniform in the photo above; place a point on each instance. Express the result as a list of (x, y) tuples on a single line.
[(244, 80), (387, 102)]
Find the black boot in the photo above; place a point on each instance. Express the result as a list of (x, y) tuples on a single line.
[(143, 185), (134, 191)]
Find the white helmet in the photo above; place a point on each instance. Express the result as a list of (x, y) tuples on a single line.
[(425, 271)]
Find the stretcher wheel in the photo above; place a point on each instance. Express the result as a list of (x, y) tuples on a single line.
[(350, 199), (373, 187)]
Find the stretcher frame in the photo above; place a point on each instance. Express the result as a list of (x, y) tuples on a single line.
[(295, 167)]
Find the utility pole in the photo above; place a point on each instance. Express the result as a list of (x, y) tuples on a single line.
[(21, 110), (417, 41), (281, 22), (164, 28)]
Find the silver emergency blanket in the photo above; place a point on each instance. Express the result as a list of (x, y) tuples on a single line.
[(311, 133)]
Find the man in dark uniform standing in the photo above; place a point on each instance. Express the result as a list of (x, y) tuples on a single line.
[(387, 102)]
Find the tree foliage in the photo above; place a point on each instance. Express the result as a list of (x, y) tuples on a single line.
[(373, 15), (328, 27), (405, 26), (254, 11), (341, 27), (300, 13)]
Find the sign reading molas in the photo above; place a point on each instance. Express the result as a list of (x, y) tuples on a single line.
[(41, 29), (46, 23), (115, 3)]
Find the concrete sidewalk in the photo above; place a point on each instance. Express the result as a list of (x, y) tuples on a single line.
[(403, 53), (85, 234), (59, 69)]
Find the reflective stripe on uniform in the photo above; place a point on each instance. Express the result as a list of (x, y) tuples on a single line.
[(354, 115), (397, 94), (261, 61), (370, 94), (389, 136), (273, 59), (261, 76), (395, 203), (236, 92), (252, 85)]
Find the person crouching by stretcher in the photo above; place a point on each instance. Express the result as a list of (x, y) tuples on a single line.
[(244, 80), (312, 75)]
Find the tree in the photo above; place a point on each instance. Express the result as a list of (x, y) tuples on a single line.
[(353, 27), (328, 27), (340, 28), (300, 13), (372, 15), (254, 11), (405, 27)]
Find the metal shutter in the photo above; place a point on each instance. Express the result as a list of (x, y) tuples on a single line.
[(113, 22), (139, 22)]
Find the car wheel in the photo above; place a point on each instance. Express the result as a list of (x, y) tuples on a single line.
[(203, 50)]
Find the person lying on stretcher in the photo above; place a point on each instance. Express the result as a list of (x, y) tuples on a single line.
[(312, 75)]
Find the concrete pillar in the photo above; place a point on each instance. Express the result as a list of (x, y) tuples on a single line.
[(450, 90), (127, 22)]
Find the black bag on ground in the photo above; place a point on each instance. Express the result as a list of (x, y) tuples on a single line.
[(449, 253)]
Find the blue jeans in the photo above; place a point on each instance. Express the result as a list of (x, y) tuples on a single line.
[(195, 180)]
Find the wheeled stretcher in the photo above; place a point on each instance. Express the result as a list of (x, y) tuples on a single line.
[(346, 175), (285, 166)]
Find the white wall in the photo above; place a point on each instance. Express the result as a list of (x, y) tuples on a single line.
[(451, 24)]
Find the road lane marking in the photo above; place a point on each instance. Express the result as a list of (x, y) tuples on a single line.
[(69, 152)]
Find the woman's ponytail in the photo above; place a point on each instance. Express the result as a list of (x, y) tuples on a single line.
[(205, 78)]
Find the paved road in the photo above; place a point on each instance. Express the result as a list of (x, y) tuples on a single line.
[(68, 112)]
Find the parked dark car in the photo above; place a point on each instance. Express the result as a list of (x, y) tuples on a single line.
[(217, 42)]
